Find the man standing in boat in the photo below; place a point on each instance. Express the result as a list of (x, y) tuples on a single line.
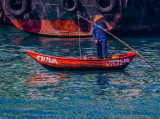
[(100, 36)]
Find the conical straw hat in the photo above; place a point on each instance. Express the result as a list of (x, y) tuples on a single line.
[(97, 17)]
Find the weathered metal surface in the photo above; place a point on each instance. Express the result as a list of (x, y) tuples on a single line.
[(48, 17), (3, 18)]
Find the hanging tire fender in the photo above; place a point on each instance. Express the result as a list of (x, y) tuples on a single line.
[(72, 5), (16, 11), (107, 7)]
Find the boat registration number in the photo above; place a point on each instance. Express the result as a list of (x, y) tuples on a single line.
[(118, 62), (47, 59)]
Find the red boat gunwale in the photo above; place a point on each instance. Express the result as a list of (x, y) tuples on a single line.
[(72, 63)]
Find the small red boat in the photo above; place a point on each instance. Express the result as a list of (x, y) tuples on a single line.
[(70, 63)]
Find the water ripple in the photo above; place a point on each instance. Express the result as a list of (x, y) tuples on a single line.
[(28, 87)]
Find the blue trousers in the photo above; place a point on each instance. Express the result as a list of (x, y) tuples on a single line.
[(102, 45)]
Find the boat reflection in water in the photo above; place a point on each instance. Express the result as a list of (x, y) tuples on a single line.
[(71, 85), (45, 79), (67, 42), (57, 46)]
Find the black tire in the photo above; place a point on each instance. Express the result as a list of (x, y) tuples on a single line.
[(105, 6), (72, 5), (16, 10)]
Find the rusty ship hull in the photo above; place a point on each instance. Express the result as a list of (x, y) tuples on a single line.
[(60, 17), (3, 18)]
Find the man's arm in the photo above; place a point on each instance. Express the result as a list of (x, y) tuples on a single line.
[(93, 33), (105, 27)]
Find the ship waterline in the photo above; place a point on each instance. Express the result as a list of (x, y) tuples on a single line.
[(61, 28)]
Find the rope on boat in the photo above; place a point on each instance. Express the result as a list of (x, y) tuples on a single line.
[(79, 38)]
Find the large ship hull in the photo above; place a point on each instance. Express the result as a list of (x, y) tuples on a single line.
[(55, 18)]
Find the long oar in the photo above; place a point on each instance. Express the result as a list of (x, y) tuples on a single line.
[(123, 43)]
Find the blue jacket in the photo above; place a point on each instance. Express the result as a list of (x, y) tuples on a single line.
[(99, 34)]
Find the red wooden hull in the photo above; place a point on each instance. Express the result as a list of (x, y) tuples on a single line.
[(66, 63)]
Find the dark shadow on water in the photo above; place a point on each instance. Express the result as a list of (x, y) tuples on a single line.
[(135, 34), (27, 41), (102, 80), (89, 72)]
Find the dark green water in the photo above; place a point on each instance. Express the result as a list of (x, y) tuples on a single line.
[(27, 90)]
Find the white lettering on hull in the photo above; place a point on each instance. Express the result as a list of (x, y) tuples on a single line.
[(117, 63), (47, 59)]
